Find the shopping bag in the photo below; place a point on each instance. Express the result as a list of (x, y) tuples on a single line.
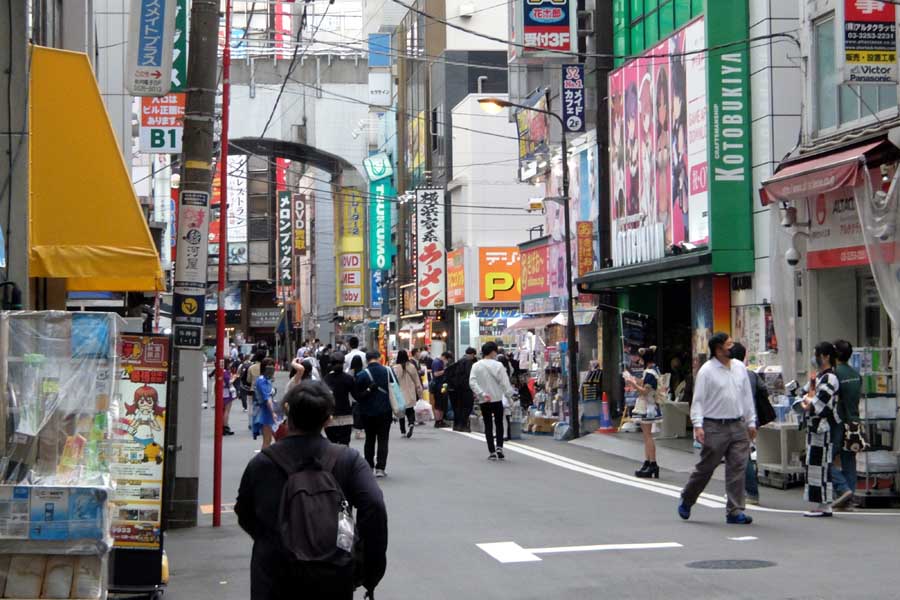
[(424, 412), (398, 401)]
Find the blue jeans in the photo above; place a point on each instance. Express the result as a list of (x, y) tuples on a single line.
[(751, 485), (844, 479)]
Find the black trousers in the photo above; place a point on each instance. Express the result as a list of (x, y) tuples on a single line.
[(411, 416), (340, 434), (492, 414), (378, 429), (463, 402)]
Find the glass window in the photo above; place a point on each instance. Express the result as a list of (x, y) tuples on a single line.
[(650, 5), (666, 19), (637, 38), (651, 29), (621, 46), (887, 96), (637, 9), (825, 75), (682, 12), (696, 7), (619, 13)]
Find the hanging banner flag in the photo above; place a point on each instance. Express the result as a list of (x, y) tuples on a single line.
[(300, 224), (237, 198), (381, 193), (162, 124), (431, 251), (585, 236), (189, 296), (869, 40), (151, 29), (573, 99)]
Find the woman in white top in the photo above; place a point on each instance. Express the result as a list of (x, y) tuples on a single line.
[(411, 384)]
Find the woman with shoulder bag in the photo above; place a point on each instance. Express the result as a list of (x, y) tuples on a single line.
[(407, 376)]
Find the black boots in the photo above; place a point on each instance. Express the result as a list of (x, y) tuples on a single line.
[(648, 470)]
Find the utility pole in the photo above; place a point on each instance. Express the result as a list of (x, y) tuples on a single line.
[(223, 263), (196, 183)]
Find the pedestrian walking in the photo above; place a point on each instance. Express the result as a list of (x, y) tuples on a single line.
[(354, 352), (242, 383), (340, 427), (228, 394), (407, 376), (438, 388), (301, 543), (819, 407), (375, 406), (489, 381), (458, 389), (843, 473), (356, 365), (751, 476), (724, 421), (646, 410), (264, 404)]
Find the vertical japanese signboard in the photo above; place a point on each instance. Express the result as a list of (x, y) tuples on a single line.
[(573, 99), (189, 291), (549, 25), (179, 49), (300, 201), (151, 30), (585, 236), (285, 240), (350, 244), (456, 277), (499, 275), (237, 198), (137, 449), (162, 124), (869, 38), (381, 194), (431, 252), (535, 277)]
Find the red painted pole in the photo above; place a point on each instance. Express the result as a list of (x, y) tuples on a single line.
[(223, 262)]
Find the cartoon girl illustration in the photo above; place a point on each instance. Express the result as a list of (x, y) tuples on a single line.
[(680, 187), (144, 410), (663, 165), (617, 151), (632, 149), (648, 170)]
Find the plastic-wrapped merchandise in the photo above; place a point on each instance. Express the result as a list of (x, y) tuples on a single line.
[(25, 577)]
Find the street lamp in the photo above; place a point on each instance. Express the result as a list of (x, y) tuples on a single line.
[(494, 106)]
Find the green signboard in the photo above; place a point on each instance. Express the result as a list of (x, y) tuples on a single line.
[(179, 54), (730, 166), (381, 195)]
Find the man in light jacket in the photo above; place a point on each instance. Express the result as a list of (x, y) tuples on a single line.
[(490, 384)]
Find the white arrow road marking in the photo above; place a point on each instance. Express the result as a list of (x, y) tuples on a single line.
[(746, 538), (511, 552), (666, 489)]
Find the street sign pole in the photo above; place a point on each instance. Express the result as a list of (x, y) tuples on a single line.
[(223, 261)]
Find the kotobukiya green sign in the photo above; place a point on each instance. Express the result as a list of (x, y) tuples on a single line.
[(730, 167)]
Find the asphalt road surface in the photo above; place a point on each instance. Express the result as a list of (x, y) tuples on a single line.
[(558, 521)]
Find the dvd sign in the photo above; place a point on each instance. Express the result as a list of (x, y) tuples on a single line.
[(548, 25)]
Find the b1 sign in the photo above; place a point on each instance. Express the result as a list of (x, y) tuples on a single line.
[(162, 124), (151, 32)]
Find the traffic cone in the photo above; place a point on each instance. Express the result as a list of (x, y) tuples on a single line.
[(606, 425)]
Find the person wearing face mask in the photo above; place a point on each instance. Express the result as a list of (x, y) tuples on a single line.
[(724, 418), (819, 405)]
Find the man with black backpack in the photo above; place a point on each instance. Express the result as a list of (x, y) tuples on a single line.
[(764, 414), (295, 501), (375, 406)]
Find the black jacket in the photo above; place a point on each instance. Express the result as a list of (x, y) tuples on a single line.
[(342, 385), (257, 509)]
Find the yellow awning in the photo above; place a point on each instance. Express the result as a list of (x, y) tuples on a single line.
[(85, 221)]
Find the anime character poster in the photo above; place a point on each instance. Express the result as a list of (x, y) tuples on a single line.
[(697, 225), (136, 451), (678, 141), (632, 142), (663, 156), (646, 141), (617, 147)]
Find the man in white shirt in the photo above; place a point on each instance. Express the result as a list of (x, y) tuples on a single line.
[(490, 384), (724, 417), (354, 351)]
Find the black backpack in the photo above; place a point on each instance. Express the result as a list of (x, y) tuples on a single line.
[(765, 413), (244, 374), (310, 512)]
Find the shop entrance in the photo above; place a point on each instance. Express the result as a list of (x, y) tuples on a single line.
[(675, 332)]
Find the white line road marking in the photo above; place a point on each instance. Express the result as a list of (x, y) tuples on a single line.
[(746, 538), (511, 552), (665, 489)]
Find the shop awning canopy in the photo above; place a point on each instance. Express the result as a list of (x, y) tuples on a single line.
[(816, 175), (582, 317), (692, 264), (531, 323), (85, 221)]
